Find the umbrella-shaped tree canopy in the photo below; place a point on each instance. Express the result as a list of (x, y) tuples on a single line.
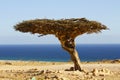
[(70, 27), (66, 30)]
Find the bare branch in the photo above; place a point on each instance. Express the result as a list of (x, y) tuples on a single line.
[(41, 35)]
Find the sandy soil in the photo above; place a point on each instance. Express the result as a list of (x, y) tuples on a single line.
[(33, 70)]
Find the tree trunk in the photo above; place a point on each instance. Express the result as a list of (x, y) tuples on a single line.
[(76, 60), (69, 45)]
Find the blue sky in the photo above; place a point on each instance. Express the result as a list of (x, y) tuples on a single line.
[(15, 11)]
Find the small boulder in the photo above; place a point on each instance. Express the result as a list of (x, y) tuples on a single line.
[(64, 78), (101, 72), (95, 72)]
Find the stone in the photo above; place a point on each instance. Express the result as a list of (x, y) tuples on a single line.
[(64, 78), (89, 73), (46, 77), (101, 72), (48, 71), (41, 72), (104, 72), (95, 72), (55, 77), (8, 63), (103, 79), (84, 70)]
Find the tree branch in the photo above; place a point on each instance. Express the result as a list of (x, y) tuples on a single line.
[(41, 35)]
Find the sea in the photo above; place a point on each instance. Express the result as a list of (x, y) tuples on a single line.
[(53, 53)]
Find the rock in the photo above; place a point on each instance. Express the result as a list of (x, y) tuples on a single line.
[(101, 72), (46, 77), (56, 77), (41, 72), (89, 73), (31, 70), (58, 71), (105, 71), (48, 71), (84, 70), (76, 72), (15, 75), (64, 78), (95, 72), (53, 63), (71, 69), (6, 71), (116, 61), (8, 63)]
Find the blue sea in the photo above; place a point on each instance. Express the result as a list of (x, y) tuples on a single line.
[(87, 52)]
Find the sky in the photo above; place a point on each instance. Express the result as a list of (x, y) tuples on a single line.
[(15, 11)]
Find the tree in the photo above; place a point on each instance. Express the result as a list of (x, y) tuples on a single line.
[(66, 30)]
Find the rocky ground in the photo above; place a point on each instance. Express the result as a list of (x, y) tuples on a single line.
[(29, 70)]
